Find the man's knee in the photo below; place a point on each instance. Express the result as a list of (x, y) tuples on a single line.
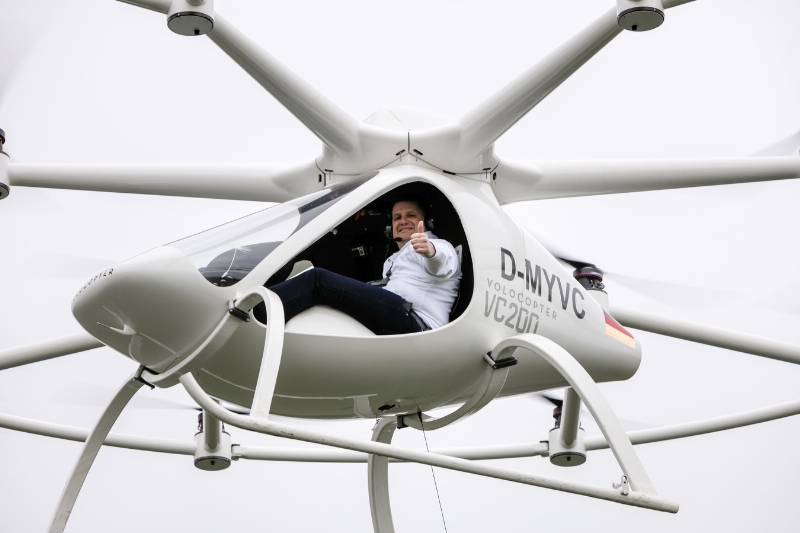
[(322, 277), (312, 275)]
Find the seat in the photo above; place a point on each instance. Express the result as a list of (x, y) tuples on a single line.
[(464, 295)]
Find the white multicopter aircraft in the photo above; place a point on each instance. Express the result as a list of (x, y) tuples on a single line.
[(530, 304)]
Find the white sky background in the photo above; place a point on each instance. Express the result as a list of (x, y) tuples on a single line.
[(107, 82)]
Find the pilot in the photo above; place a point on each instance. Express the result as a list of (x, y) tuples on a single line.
[(419, 286)]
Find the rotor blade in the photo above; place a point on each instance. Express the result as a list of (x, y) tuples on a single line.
[(558, 402), (265, 182), (43, 350), (788, 146), (628, 424), (18, 35), (159, 6), (233, 408), (93, 395), (487, 122), (41, 264), (711, 335), (675, 294), (528, 180)]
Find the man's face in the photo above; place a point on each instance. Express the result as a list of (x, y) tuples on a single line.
[(406, 216)]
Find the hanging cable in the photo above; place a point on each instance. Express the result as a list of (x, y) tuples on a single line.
[(435, 485)]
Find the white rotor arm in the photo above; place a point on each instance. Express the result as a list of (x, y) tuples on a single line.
[(117, 440), (266, 182), (518, 181), (474, 453), (455, 147), (354, 147), (711, 335), (49, 349)]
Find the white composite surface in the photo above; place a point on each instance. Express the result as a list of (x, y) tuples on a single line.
[(108, 83)]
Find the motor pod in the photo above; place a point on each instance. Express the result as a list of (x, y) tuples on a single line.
[(640, 15), (213, 451), (191, 17), (591, 278), (5, 187), (563, 455), (212, 460)]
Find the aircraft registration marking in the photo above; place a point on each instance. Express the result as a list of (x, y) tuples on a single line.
[(514, 309)]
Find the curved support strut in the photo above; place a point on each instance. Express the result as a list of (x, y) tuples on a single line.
[(273, 348), (89, 452), (589, 392), (378, 474)]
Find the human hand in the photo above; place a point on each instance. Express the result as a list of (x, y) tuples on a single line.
[(422, 245)]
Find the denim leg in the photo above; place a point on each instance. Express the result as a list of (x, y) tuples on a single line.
[(381, 311)]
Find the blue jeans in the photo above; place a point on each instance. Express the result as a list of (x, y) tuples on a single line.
[(382, 312)]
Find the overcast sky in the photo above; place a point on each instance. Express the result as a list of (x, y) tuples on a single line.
[(99, 81)]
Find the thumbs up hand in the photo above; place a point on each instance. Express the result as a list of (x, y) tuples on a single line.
[(422, 245)]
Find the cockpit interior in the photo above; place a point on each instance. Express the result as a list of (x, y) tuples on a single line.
[(356, 248)]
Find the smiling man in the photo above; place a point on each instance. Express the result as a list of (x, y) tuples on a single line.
[(419, 286), (425, 270)]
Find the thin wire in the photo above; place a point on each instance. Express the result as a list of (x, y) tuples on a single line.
[(436, 486)]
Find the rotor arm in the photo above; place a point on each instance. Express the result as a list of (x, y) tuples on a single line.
[(356, 146), (704, 334), (334, 126), (474, 134), (266, 182), (353, 146), (48, 349), (538, 180)]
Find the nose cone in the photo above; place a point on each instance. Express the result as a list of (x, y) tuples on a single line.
[(153, 308)]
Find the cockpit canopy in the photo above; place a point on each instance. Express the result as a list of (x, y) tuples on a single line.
[(227, 253), (355, 246)]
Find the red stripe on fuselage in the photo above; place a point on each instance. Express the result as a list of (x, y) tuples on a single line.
[(616, 325)]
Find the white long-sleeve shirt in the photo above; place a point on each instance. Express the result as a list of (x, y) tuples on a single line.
[(430, 284)]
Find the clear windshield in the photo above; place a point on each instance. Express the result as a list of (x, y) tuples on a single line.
[(226, 254)]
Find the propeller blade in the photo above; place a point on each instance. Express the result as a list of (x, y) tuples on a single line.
[(93, 395), (558, 402), (575, 263), (676, 294), (18, 35), (788, 146), (629, 425), (54, 265)]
